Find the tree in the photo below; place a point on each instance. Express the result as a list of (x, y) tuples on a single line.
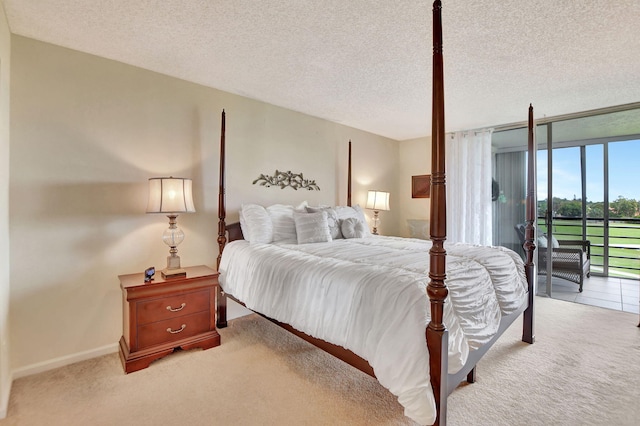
[(624, 207), (542, 207), (571, 208), (595, 210)]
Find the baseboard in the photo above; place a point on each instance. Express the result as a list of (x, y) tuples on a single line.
[(64, 360)]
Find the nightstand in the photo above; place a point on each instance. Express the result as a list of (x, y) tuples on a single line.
[(165, 314)]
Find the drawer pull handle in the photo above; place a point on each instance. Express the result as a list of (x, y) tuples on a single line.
[(177, 331), (169, 308)]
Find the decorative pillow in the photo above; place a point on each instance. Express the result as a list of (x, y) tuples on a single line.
[(284, 228), (352, 227), (542, 241), (419, 228), (256, 224), (554, 243), (345, 212), (301, 207), (332, 220), (362, 218), (244, 226), (312, 227)]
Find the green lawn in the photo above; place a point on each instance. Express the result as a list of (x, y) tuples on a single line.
[(620, 234)]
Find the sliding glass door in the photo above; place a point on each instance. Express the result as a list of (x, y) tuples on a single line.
[(622, 239), (588, 191), (595, 197)]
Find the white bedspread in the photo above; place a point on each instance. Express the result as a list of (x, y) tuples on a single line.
[(369, 296)]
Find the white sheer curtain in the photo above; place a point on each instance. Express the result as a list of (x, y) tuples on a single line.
[(468, 169)]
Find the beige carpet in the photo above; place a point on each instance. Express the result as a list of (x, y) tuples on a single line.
[(584, 369)]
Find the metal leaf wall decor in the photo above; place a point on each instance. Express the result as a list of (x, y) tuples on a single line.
[(287, 179)]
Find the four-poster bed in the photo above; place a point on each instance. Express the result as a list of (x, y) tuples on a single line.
[(441, 376)]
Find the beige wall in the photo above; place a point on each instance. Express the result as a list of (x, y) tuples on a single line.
[(5, 62), (87, 133), (414, 159)]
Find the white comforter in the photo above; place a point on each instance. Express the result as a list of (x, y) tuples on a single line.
[(369, 296)]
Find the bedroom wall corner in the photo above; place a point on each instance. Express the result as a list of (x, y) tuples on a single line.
[(415, 159), (375, 167), (5, 288)]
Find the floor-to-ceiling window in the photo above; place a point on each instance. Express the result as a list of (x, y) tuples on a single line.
[(596, 197), (623, 257), (587, 187)]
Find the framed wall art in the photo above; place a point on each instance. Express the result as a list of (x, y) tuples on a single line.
[(421, 186)]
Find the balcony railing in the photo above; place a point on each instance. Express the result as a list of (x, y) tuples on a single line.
[(623, 249)]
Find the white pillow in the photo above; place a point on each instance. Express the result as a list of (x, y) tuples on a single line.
[(284, 228), (332, 220), (352, 227), (554, 243), (542, 241), (345, 212), (363, 219), (256, 224), (301, 207), (312, 227)]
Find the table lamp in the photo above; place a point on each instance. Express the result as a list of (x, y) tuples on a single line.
[(171, 196), (376, 201)]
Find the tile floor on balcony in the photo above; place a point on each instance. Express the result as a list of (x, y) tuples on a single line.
[(607, 292)]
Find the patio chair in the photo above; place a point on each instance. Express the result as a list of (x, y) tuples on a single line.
[(571, 259)]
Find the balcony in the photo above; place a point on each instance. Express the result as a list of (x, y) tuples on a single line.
[(615, 266), (606, 292), (620, 257)]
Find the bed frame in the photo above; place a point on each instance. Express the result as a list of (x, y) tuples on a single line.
[(436, 332)]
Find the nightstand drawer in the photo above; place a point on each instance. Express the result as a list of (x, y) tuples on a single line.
[(173, 329), (172, 307)]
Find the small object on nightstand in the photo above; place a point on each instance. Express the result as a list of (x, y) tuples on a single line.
[(149, 273)]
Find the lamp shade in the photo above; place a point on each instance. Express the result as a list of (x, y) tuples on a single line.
[(377, 200), (170, 195)]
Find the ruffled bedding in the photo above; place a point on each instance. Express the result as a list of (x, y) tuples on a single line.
[(369, 296)]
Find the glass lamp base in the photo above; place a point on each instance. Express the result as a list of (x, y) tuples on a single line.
[(173, 261)]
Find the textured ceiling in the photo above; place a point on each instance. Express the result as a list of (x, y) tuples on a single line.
[(367, 63)]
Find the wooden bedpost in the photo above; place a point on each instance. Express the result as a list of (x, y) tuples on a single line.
[(528, 329), (222, 213), (436, 333), (221, 299), (349, 177)]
